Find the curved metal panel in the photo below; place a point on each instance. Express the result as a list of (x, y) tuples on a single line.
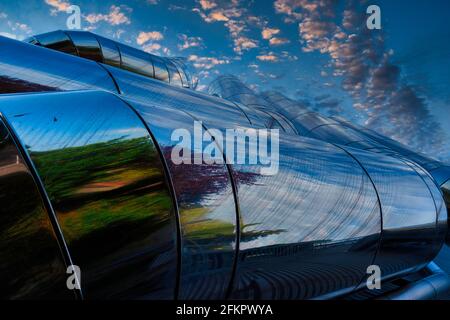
[(56, 40), (214, 112), (409, 214), (289, 107), (441, 174), (86, 44), (174, 74), (226, 86), (287, 126), (106, 183), (29, 68), (441, 209), (206, 206), (337, 133), (96, 48), (312, 120), (182, 71), (446, 192), (110, 52), (136, 61), (251, 100), (32, 264), (161, 71), (311, 229), (255, 117)]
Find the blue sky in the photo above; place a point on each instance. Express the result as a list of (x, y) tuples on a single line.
[(396, 81)]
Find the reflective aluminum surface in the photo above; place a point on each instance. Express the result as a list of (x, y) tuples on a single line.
[(206, 206), (90, 46), (32, 264), (446, 191), (28, 68), (309, 230), (214, 112), (105, 180), (409, 213)]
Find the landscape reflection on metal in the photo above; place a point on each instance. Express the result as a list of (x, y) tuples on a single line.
[(25, 226), (104, 178), (87, 178)]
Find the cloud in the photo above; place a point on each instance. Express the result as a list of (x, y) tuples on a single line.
[(278, 41), (189, 42), (206, 63), (149, 42), (17, 30), (286, 7), (58, 6), (156, 49), (144, 37), (21, 27), (271, 57), (294, 10), (287, 56), (152, 2), (257, 21), (115, 16), (268, 33), (235, 19), (174, 7), (391, 106), (243, 43), (151, 47), (3, 15), (217, 16), (207, 5)]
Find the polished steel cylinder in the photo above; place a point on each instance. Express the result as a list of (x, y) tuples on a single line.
[(142, 226)]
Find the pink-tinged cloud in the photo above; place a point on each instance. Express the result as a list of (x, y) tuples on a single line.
[(144, 37), (267, 57), (207, 4), (58, 6), (190, 42), (115, 16), (206, 63), (152, 47), (278, 41), (268, 33), (235, 18), (243, 44)]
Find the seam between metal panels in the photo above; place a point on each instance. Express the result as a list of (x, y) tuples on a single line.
[(290, 124), (44, 197), (101, 49), (168, 178), (111, 76), (324, 125), (238, 216), (73, 43), (446, 181), (242, 110), (432, 197), (98, 63), (380, 239)]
